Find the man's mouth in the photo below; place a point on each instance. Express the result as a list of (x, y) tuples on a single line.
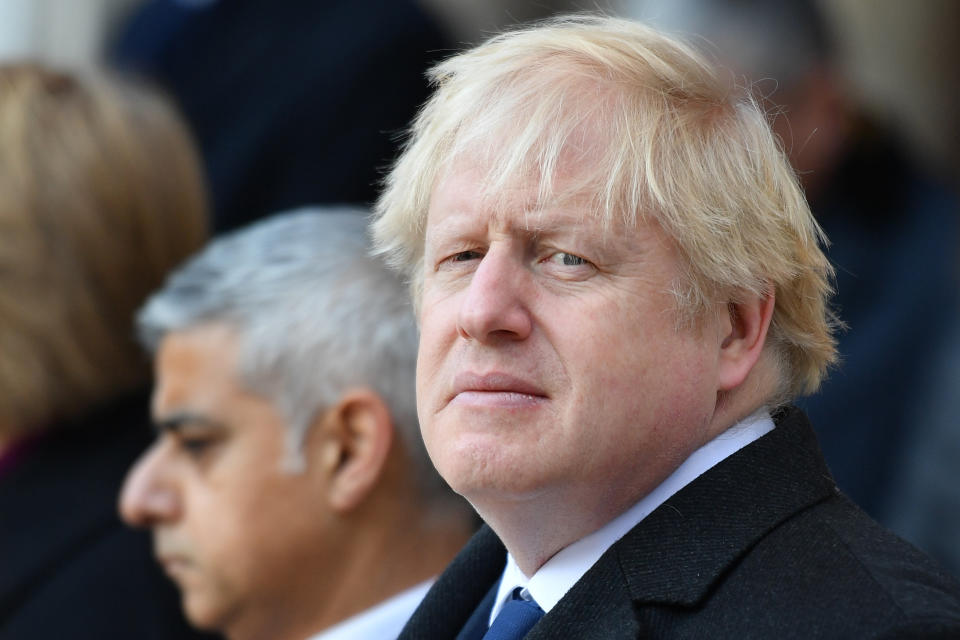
[(496, 390), (174, 566), (175, 561)]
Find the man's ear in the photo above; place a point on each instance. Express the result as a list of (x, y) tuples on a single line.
[(743, 334), (357, 435)]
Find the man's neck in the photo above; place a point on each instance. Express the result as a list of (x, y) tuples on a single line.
[(390, 558), (376, 564), (534, 530), (373, 562), (552, 580), (383, 620)]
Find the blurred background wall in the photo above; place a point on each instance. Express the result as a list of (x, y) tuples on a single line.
[(900, 56), (61, 32)]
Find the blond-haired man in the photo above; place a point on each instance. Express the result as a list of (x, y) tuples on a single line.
[(619, 287)]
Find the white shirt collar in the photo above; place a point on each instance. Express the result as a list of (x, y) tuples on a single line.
[(384, 620), (552, 581)]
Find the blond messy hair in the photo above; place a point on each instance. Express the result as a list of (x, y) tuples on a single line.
[(667, 139)]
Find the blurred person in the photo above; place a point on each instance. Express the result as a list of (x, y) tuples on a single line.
[(894, 231), (619, 288), (925, 499), (288, 491), (100, 195), (293, 102)]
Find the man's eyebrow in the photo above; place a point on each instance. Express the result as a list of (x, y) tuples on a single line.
[(174, 423)]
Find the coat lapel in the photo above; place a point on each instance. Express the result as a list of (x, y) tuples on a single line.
[(460, 590), (677, 553), (598, 607), (477, 625)]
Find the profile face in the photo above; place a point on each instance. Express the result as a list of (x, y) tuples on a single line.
[(238, 535), (551, 364)]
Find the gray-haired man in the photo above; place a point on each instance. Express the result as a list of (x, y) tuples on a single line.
[(288, 490)]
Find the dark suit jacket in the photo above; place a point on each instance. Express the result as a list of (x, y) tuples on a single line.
[(761, 546), (68, 567)]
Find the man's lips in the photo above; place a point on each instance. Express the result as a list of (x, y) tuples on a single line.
[(173, 565), (495, 389), (173, 560)]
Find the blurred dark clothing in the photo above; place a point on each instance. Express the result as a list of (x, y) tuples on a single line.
[(292, 101), (925, 506), (68, 567), (894, 238)]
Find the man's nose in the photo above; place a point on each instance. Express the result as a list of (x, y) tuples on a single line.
[(495, 306), (148, 497)]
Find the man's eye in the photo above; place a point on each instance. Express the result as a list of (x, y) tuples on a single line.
[(567, 259), (196, 446), (466, 256)]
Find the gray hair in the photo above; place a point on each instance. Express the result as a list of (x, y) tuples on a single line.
[(315, 313)]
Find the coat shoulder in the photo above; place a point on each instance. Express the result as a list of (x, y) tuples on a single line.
[(828, 572)]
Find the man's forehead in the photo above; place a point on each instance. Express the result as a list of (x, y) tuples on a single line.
[(197, 347), (464, 199), (195, 370), (535, 221)]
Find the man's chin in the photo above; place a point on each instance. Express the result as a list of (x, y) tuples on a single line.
[(201, 612), (479, 462), (490, 484)]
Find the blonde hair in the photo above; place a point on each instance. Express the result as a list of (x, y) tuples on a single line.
[(659, 135), (100, 195)]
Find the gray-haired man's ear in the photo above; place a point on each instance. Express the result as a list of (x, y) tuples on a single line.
[(743, 332), (356, 437)]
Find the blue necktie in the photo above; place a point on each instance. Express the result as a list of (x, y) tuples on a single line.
[(515, 619)]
